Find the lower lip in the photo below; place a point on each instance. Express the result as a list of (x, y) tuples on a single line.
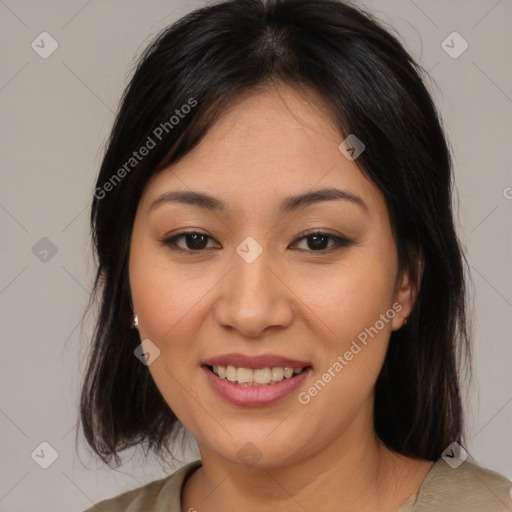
[(253, 396)]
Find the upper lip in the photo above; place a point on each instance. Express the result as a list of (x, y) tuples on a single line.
[(254, 362)]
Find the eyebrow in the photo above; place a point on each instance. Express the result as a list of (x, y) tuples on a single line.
[(289, 204)]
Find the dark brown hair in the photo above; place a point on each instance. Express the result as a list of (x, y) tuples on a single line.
[(375, 90)]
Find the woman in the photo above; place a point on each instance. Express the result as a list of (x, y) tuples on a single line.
[(280, 272)]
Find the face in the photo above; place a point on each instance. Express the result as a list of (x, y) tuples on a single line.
[(314, 285)]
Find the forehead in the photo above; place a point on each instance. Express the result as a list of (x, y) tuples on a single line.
[(267, 145)]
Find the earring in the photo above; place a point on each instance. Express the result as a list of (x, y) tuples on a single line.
[(405, 320), (135, 322)]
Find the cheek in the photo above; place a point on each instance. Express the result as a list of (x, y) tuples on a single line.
[(165, 296), (354, 298), (350, 296), (168, 304)]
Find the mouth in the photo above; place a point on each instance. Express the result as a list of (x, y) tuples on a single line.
[(255, 387), (258, 377)]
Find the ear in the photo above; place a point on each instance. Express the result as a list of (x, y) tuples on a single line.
[(407, 287)]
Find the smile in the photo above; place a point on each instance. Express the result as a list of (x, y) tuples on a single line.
[(259, 377), (249, 392)]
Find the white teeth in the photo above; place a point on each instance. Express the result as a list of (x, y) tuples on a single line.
[(245, 375), (262, 375), (277, 374), (231, 373), (258, 377)]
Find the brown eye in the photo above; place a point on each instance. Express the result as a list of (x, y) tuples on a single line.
[(193, 241), (318, 241)]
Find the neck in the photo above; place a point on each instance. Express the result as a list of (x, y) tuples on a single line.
[(356, 472)]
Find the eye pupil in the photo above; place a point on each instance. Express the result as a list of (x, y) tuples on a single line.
[(317, 241), (323, 239), (196, 238)]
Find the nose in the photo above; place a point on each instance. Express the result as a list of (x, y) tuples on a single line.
[(254, 298)]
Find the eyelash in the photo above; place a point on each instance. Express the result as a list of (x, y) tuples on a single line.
[(339, 242)]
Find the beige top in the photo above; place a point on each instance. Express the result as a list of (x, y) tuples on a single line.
[(468, 488)]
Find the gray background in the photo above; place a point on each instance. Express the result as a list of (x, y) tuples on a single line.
[(56, 114)]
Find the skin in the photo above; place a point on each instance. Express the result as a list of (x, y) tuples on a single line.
[(293, 300)]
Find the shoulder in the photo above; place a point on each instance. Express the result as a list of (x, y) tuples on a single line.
[(467, 487), (158, 496)]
